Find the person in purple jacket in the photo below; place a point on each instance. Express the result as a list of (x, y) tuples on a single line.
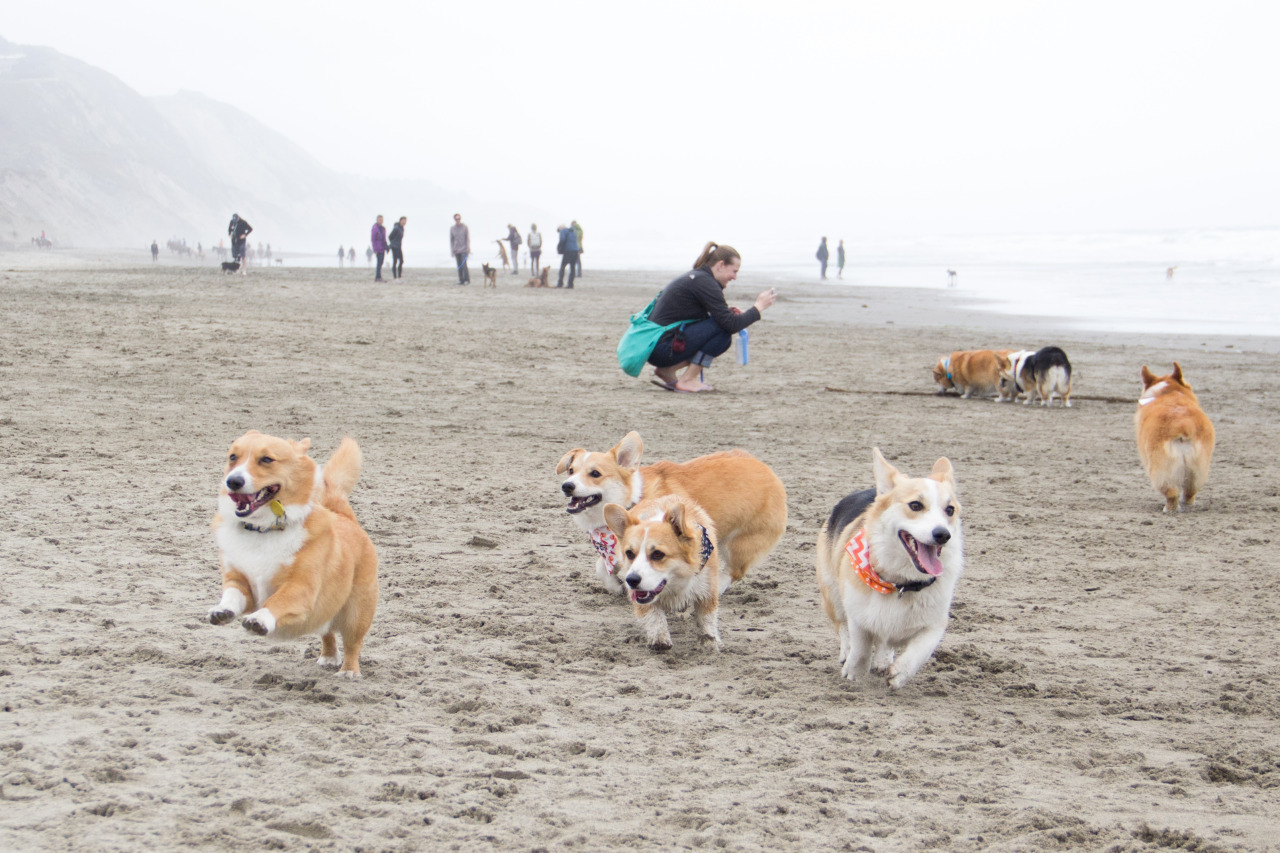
[(378, 240)]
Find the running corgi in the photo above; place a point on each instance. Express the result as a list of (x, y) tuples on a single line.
[(667, 558), (293, 555), (888, 562), (1175, 437), (745, 500)]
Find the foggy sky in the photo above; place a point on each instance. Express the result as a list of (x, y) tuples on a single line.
[(728, 119)]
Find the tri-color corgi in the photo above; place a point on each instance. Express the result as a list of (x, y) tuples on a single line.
[(1175, 437), (1045, 371), (293, 555), (745, 500), (668, 559), (888, 562), (975, 371)]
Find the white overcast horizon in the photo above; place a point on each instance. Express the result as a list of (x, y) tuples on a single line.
[(721, 120)]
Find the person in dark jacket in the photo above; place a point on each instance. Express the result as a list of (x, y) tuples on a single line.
[(568, 248), (513, 237), (239, 230), (395, 241), (822, 257), (697, 297), (378, 242)]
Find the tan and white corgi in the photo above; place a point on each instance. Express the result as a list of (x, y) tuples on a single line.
[(293, 555), (746, 501), (667, 558), (888, 562), (970, 372), (1175, 437)]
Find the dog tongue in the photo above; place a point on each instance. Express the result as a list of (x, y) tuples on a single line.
[(930, 558)]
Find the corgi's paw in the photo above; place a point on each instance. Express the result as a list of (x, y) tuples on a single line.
[(350, 674), (260, 622), (329, 663), (220, 616)]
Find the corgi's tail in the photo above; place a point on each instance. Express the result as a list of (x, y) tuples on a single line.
[(340, 475)]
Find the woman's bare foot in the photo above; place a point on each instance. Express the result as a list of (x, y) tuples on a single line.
[(666, 375), (693, 386)]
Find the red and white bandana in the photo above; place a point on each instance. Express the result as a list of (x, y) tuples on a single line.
[(860, 558), (606, 545)]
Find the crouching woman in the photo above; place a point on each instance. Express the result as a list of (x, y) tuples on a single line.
[(696, 299)]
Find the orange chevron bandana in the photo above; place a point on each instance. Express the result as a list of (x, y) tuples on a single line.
[(860, 558), (606, 545)]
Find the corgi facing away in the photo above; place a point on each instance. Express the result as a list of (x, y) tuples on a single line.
[(1046, 371), (970, 372), (667, 558), (293, 555), (888, 561), (1175, 437), (745, 500)]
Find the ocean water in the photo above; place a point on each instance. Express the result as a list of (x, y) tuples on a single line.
[(1225, 281)]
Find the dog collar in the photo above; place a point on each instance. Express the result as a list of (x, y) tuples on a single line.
[(277, 509), (606, 545), (707, 547), (859, 551), (946, 365)]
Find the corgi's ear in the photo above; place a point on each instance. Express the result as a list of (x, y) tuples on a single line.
[(1147, 377), (886, 474), (567, 460), (303, 446), (943, 472), (628, 450), (616, 518), (1177, 373), (675, 517)]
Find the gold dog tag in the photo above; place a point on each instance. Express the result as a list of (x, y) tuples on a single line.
[(277, 508)]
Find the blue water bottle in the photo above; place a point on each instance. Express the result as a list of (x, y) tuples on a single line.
[(742, 346)]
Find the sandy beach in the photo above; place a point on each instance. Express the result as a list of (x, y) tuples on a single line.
[(1110, 678)]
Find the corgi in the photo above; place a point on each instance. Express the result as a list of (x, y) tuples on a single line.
[(1045, 371), (667, 557), (969, 372), (888, 562), (490, 276), (745, 500), (293, 555), (1175, 437)]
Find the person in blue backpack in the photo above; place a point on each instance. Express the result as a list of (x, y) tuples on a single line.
[(696, 299)]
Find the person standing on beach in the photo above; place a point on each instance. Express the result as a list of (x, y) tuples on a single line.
[(840, 260), (535, 249), (822, 257), (239, 232), (460, 247), (513, 237), (342, 253), (155, 251), (396, 241), (568, 249), (577, 230), (378, 242), (696, 299), (351, 255)]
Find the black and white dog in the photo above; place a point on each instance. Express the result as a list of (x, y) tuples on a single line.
[(1046, 372), (230, 266)]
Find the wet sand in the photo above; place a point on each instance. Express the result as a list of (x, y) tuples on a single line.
[(1109, 680)]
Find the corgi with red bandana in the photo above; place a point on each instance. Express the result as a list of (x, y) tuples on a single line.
[(667, 558), (744, 499), (888, 562), (294, 558)]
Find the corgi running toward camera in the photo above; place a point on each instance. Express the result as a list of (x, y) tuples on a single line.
[(745, 500), (1175, 437), (293, 555), (667, 558), (888, 562)]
